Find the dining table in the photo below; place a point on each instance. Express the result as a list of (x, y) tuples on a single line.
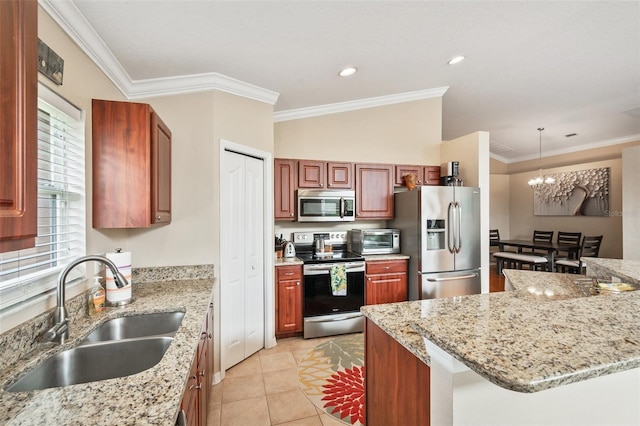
[(549, 246)]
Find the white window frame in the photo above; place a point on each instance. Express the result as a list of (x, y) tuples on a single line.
[(17, 293)]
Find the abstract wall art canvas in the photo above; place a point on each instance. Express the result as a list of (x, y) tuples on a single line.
[(577, 193)]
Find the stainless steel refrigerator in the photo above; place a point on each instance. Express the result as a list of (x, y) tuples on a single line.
[(440, 230)]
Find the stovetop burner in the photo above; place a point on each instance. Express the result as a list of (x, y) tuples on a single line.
[(336, 256), (303, 242)]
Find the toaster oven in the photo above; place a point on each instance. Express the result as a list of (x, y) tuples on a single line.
[(374, 241)]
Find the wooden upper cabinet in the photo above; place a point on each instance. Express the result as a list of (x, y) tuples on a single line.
[(403, 170), (131, 166), (284, 183), (325, 175), (339, 175), (374, 191), (18, 124), (311, 174), (431, 175)]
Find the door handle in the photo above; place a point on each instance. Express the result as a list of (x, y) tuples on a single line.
[(450, 224), (459, 277), (459, 227)]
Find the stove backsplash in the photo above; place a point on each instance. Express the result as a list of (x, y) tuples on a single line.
[(288, 228)]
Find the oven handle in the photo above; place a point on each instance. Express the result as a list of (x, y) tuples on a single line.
[(340, 318), (325, 269)]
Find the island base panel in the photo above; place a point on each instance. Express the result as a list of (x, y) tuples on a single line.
[(396, 382)]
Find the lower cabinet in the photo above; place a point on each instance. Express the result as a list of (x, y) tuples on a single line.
[(288, 300), (195, 400), (386, 281)]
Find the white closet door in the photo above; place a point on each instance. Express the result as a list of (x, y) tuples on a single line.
[(242, 254), (254, 256)]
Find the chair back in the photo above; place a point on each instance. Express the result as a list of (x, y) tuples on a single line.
[(571, 238), (494, 237), (546, 236), (590, 246)]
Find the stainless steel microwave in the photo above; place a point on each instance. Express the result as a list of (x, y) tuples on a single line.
[(374, 241), (317, 205)]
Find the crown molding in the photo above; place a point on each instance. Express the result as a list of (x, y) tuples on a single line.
[(577, 148), (294, 114), (75, 25)]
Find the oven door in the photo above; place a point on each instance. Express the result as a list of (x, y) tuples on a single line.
[(318, 298)]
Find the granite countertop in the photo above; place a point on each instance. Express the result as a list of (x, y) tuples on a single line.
[(374, 257), (287, 261), (543, 334), (151, 397), (284, 261)]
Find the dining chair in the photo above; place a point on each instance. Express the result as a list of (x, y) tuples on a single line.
[(494, 237), (540, 236), (572, 238), (590, 247)]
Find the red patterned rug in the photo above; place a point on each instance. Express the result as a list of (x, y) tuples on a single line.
[(332, 377)]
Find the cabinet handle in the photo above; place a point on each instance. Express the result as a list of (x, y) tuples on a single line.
[(319, 184), (203, 335), (387, 267), (288, 273), (291, 215), (158, 218), (328, 184), (297, 282)]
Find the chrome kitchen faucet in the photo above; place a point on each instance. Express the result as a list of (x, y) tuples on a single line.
[(60, 330)]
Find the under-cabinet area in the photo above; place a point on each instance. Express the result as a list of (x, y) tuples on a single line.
[(131, 166)]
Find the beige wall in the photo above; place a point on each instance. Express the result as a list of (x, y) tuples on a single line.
[(405, 133), (630, 203), (499, 204), (523, 222)]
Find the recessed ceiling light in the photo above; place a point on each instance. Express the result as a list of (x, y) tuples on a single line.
[(347, 71), (456, 60)]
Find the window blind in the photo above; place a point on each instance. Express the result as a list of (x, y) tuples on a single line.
[(61, 204)]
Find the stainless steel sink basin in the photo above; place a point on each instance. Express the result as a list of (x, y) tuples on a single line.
[(117, 348), (95, 362), (164, 323)]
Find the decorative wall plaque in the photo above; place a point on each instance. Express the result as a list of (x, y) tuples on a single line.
[(49, 63), (577, 193)]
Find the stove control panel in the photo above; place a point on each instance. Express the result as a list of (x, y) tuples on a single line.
[(333, 237)]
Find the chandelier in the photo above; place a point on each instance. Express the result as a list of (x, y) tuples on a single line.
[(540, 179)]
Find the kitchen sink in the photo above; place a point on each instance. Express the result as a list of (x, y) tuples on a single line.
[(95, 362), (164, 323), (117, 348)]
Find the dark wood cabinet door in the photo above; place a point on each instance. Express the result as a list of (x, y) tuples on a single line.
[(284, 183), (339, 175), (18, 124), (289, 299), (403, 170), (311, 174), (431, 175), (131, 166), (374, 191), (160, 170), (386, 282)]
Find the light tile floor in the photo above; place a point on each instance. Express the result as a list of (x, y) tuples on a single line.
[(263, 390)]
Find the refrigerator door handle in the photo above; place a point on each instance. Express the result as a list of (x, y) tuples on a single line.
[(450, 224), (459, 227), (459, 277)]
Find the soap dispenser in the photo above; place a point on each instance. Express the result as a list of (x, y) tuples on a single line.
[(96, 300)]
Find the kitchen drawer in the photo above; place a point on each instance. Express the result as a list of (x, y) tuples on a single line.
[(289, 272), (386, 267)]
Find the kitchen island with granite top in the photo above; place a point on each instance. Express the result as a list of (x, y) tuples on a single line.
[(544, 353), (151, 397)]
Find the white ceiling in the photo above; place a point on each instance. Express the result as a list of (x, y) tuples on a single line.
[(570, 67)]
